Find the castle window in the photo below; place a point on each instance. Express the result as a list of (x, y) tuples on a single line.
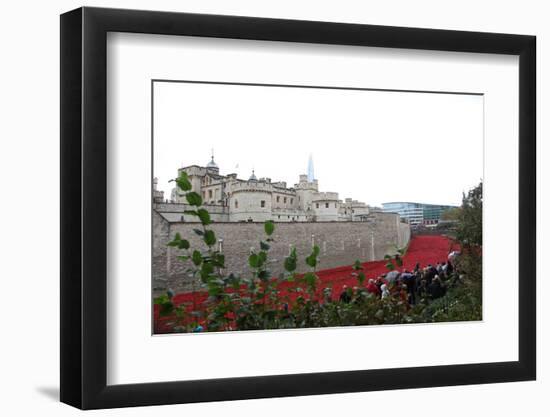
[(316, 205), (236, 204), (284, 200), (209, 193), (335, 205), (204, 195), (291, 201), (326, 205), (262, 203), (279, 216), (278, 198)]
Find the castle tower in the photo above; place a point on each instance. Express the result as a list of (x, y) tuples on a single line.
[(212, 166), (305, 190), (158, 195)]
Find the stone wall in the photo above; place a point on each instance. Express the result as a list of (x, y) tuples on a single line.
[(404, 235), (341, 243)]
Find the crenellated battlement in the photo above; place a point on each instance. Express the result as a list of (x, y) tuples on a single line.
[(251, 186), (325, 196)]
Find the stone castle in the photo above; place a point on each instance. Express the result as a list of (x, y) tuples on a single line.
[(344, 230), (231, 199)]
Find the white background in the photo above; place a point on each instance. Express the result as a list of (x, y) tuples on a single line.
[(29, 172)]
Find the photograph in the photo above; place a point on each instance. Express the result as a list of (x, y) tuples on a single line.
[(302, 206)]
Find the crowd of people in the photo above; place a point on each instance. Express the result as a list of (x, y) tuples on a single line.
[(429, 282)]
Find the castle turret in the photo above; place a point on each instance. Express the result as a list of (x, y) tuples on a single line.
[(212, 166), (158, 196), (325, 206), (305, 190), (250, 201)]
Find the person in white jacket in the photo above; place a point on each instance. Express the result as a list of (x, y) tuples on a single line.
[(385, 291)]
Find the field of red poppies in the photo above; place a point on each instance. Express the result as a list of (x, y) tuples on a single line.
[(427, 249)]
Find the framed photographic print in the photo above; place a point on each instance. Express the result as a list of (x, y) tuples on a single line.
[(258, 207)]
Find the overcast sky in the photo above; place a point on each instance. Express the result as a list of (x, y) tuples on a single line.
[(372, 146)]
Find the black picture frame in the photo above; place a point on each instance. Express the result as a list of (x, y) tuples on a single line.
[(84, 207)]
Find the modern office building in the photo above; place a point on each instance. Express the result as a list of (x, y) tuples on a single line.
[(417, 213)]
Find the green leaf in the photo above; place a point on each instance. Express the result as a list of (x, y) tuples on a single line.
[(209, 237), (254, 260), (161, 299), (183, 182), (197, 257), (176, 240), (290, 264), (204, 216), (357, 265), (311, 260), (264, 246), (166, 309), (191, 212), (269, 227), (207, 268), (316, 250), (214, 290), (399, 261), (218, 260), (263, 257), (183, 244), (264, 275), (390, 266), (193, 198), (183, 258), (310, 278), (387, 257), (361, 278)]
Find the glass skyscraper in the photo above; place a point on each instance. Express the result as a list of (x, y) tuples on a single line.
[(310, 173)]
